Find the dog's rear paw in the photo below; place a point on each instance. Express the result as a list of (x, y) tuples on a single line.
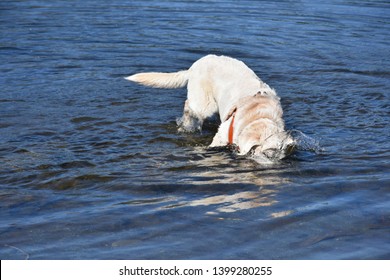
[(188, 124)]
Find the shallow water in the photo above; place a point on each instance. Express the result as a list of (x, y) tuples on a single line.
[(92, 166)]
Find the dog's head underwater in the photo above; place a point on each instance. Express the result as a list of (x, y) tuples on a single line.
[(275, 147)]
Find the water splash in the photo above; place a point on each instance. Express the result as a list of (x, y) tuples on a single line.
[(305, 142)]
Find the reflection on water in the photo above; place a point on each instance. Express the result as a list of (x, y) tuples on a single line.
[(227, 203), (281, 214), (237, 169), (238, 201)]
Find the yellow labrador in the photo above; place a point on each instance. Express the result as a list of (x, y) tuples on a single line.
[(250, 111)]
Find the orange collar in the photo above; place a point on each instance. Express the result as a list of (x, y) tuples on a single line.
[(231, 129)]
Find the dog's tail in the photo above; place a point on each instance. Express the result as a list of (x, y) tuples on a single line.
[(161, 80)]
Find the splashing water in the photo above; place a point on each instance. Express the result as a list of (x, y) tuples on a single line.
[(305, 142)]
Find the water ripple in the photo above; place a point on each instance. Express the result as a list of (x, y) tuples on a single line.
[(93, 166)]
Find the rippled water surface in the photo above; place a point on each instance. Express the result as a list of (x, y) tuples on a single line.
[(92, 166)]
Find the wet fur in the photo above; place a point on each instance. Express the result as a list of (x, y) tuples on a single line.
[(220, 84)]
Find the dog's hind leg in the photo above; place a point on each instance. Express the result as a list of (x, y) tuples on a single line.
[(199, 105), (190, 121)]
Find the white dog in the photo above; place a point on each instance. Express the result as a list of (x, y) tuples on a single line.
[(250, 111)]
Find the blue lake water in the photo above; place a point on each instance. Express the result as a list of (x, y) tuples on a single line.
[(92, 166)]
